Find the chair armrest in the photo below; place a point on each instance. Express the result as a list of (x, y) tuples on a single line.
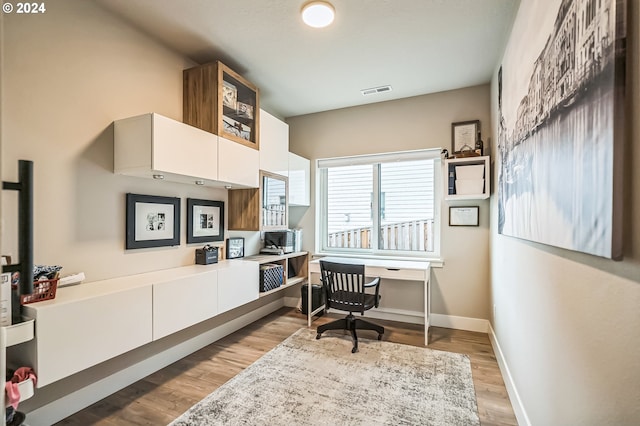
[(375, 282)]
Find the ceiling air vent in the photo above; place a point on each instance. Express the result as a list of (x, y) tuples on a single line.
[(375, 90)]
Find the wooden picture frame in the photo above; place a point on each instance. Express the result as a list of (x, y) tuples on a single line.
[(205, 221), (152, 221), (464, 216), (464, 134)]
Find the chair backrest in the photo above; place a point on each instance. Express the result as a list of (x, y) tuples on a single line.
[(343, 285)]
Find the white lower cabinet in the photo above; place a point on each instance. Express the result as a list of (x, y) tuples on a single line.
[(93, 322), (78, 334), (237, 284), (181, 303)]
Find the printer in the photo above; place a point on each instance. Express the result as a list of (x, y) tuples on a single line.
[(278, 242)]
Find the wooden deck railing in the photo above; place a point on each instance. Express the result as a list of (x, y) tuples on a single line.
[(415, 235)]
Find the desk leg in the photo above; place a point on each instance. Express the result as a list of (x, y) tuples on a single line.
[(427, 307)]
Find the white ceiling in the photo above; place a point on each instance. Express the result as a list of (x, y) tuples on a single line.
[(416, 46)]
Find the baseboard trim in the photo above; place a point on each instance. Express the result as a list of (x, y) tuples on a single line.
[(84, 397), (460, 323), (514, 396)]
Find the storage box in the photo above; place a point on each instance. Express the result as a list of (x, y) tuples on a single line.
[(271, 276), (470, 172), (469, 186), (207, 255)]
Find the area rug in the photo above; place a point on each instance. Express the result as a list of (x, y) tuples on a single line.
[(304, 381)]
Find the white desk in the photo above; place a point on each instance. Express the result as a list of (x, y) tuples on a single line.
[(383, 268)]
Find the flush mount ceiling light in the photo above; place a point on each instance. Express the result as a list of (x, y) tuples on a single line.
[(318, 14)]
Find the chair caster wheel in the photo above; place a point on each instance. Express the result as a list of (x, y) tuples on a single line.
[(354, 350), (318, 336), (379, 336)]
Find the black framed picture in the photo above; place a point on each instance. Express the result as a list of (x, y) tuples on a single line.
[(152, 221), (464, 216), (464, 135), (205, 221), (235, 247)]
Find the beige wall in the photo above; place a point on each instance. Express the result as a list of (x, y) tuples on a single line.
[(568, 323), (461, 286), (67, 75)]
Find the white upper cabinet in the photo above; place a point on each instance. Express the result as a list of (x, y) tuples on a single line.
[(151, 145), (274, 144), (239, 165), (299, 180)]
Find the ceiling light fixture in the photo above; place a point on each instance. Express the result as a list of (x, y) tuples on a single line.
[(318, 14)]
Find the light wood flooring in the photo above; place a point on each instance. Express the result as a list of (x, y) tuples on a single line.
[(161, 397)]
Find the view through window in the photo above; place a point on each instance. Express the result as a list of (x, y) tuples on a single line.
[(382, 203)]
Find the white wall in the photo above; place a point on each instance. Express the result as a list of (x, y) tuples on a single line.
[(461, 287), (67, 75), (568, 323)]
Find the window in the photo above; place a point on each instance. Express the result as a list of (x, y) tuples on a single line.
[(380, 204)]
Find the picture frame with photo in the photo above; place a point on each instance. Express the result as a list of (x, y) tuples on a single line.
[(152, 221), (235, 248), (205, 221), (464, 135)]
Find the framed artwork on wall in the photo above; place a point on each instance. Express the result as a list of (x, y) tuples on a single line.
[(561, 127), (152, 221), (464, 135), (464, 216), (235, 248), (205, 221)]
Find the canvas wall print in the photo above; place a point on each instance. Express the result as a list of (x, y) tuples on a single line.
[(560, 89)]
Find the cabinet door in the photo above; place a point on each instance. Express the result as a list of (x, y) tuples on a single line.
[(237, 164), (237, 284), (299, 180), (183, 149), (77, 335), (274, 144), (184, 302)]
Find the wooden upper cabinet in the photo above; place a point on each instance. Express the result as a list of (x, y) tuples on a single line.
[(220, 101)]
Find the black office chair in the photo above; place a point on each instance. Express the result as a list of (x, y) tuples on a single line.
[(344, 289)]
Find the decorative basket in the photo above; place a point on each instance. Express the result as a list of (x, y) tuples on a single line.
[(42, 290)]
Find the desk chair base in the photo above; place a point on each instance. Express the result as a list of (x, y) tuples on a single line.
[(352, 324)]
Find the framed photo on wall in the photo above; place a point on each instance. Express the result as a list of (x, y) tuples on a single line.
[(152, 221), (464, 216), (205, 221), (464, 135)]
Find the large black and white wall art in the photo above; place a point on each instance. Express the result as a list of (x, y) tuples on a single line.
[(560, 118)]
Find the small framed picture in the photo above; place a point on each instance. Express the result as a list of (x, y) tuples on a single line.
[(205, 221), (464, 216), (152, 221), (464, 135), (235, 248)]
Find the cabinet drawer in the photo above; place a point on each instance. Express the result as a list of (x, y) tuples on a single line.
[(398, 274)]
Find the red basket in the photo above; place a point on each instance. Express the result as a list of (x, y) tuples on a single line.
[(42, 290)]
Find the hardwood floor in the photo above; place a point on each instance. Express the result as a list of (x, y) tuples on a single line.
[(161, 397)]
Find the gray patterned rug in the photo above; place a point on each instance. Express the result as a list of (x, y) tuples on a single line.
[(304, 381)]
